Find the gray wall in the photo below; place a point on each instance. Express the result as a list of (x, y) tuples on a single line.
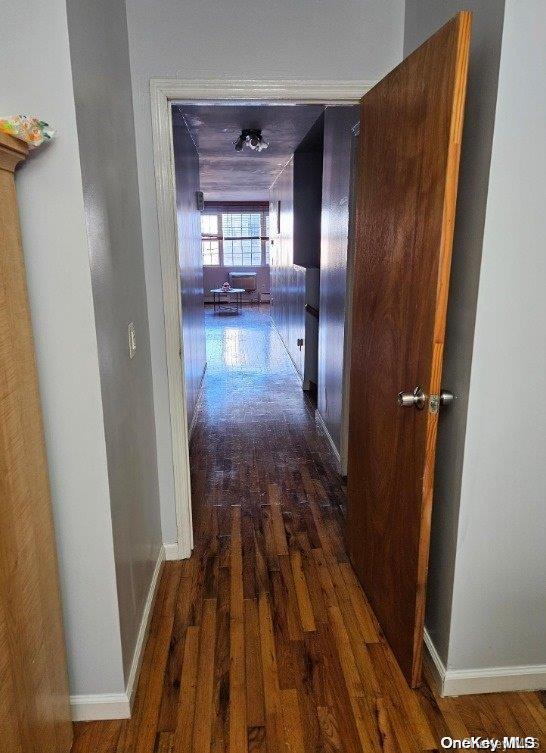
[(178, 40), (336, 178), (35, 58), (423, 17), (104, 110), (190, 263), (499, 615)]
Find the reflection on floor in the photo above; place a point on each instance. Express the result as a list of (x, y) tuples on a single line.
[(256, 427), (263, 640)]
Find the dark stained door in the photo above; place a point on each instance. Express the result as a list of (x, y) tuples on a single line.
[(410, 134)]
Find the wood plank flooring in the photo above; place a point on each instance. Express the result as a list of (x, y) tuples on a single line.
[(263, 641)]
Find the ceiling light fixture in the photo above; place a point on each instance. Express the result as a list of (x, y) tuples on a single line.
[(253, 138)]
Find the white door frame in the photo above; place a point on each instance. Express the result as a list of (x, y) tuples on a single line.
[(163, 92)]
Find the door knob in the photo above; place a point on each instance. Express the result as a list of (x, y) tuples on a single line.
[(446, 397), (415, 399)]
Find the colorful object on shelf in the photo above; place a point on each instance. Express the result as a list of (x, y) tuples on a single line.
[(226, 287), (28, 128)]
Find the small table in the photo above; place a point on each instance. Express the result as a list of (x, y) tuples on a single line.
[(229, 305)]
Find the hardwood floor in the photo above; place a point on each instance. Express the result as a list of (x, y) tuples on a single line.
[(263, 641)]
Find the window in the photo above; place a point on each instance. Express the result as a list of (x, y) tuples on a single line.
[(209, 224), (235, 235), (242, 239), (210, 245), (211, 252), (266, 233)]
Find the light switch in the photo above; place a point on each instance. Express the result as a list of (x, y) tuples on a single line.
[(132, 339)]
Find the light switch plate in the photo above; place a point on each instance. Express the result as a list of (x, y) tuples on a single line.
[(132, 339)]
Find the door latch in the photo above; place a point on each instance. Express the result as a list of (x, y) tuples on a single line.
[(444, 398)]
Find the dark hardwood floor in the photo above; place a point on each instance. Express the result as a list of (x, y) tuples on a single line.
[(263, 640)]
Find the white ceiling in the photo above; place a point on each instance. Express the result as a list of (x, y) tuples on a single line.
[(227, 174)]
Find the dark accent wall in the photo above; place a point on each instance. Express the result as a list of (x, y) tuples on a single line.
[(295, 252), (424, 17), (307, 196), (190, 261), (287, 279), (336, 179)]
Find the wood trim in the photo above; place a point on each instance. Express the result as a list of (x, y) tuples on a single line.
[(163, 91)]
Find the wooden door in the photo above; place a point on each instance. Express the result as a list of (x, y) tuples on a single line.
[(410, 135), (34, 708)]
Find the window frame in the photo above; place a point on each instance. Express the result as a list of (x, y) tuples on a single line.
[(219, 209)]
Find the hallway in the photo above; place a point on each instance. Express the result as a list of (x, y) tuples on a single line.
[(255, 435), (263, 640)]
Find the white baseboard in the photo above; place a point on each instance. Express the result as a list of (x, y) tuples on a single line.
[(324, 430), (453, 682), (436, 663), (92, 708), (144, 628), (103, 706), (172, 551), (198, 402), (494, 680)]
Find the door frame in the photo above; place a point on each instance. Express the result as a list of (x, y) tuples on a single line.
[(164, 91), (347, 332)]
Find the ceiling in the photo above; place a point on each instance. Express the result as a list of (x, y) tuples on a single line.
[(226, 173)]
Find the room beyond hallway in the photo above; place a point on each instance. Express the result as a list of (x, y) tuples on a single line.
[(263, 639)]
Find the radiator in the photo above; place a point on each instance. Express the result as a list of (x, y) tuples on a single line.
[(246, 280)]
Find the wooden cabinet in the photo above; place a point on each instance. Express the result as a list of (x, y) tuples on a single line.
[(34, 706)]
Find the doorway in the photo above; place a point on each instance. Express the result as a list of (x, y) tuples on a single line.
[(260, 209), (163, 94)]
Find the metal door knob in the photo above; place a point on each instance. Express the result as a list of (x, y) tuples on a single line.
[(415, 399), (446, 397)]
